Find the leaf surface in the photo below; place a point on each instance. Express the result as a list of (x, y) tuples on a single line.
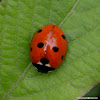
[(80, 71)]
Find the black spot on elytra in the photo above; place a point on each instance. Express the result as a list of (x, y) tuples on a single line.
[(62, 57), (44, 61), (40, 45), (63, 36), (39, 30), (31, 49), (55, 49)]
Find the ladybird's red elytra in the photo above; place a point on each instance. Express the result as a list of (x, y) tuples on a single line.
[(48, 48)]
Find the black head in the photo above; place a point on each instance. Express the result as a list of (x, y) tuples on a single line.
[(43, 68)]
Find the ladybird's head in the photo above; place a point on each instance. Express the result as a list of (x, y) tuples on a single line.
[(43, 65)]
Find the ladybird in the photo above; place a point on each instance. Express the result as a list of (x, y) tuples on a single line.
[(48, 48)]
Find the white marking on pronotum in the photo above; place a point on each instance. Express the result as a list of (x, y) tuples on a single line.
[(48, 65), (39, 63)]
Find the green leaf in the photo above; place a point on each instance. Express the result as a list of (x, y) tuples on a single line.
[(80, 71)]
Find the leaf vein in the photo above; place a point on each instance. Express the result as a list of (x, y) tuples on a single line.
[(84, 34), (17, 82), (75, 5)]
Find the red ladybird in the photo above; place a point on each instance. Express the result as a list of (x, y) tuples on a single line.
[(48, 48)]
